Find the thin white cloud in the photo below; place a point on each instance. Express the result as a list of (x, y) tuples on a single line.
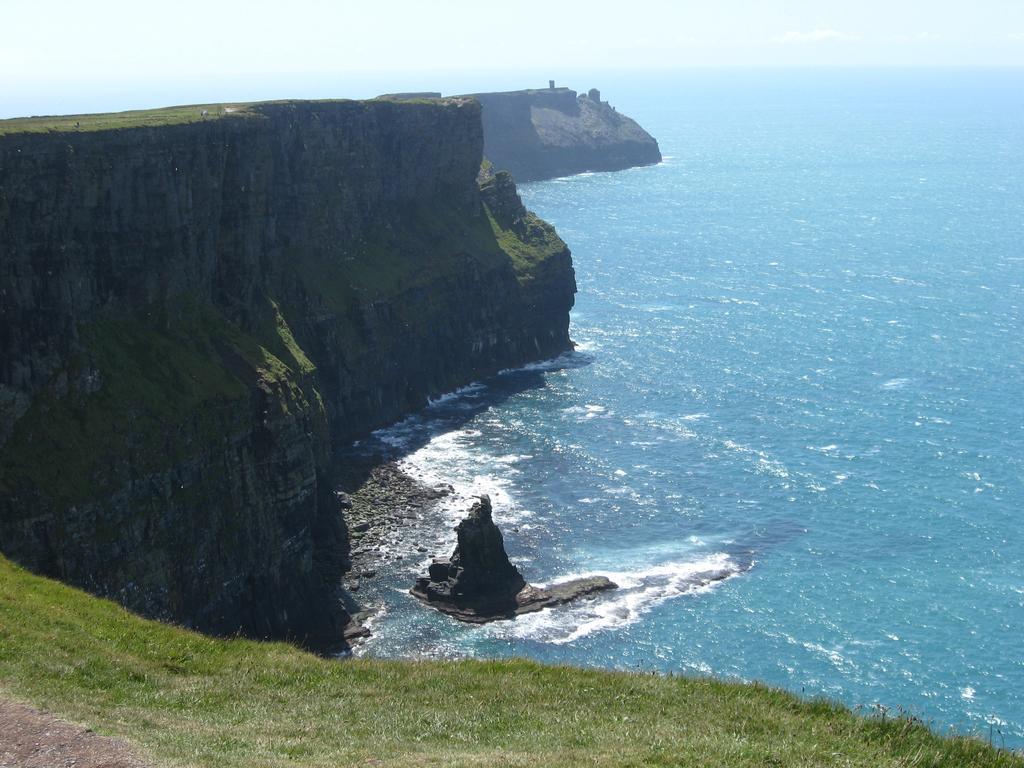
[(814, 36), (926, 37), (1016, 35)]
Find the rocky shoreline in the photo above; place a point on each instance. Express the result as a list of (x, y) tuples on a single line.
[(529, 599), (394, 518), (387, 512), (387, 501)]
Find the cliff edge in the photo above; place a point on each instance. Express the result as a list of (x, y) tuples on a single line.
[(545, 133), (194, 308)]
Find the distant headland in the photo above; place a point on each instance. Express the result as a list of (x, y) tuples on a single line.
[(548, 132)]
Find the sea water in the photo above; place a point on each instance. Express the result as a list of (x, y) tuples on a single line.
[(799, 364)]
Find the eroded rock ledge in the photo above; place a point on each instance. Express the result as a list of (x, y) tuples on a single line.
[(478, 583)]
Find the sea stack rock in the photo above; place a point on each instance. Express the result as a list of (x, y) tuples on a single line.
[(478, 575), (478, 584)]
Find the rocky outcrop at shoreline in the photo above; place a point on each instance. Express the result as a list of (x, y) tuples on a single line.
[(478, 583), (387, 512)]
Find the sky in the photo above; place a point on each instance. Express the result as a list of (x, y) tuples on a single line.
[(71, 49)]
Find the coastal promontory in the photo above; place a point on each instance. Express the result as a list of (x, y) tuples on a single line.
[(198, 304), (545, 133), (549, 132)]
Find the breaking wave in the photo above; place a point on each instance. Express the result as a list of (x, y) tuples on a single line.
[(639, 592)]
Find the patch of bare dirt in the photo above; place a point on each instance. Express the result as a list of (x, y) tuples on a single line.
[(33, 739)]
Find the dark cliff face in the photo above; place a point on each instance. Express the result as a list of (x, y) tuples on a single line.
[(190, 316), (543, 134)]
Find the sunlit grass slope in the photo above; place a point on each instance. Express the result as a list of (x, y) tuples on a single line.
[(183, 699)]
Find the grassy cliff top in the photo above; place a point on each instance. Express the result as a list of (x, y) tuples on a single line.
[(181, 699), (143, 118), (192, 113)]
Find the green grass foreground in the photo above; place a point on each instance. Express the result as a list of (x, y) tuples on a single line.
[(182, 699)]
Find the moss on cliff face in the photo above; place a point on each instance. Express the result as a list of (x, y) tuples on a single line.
[(532, 247), (137, 378), (129, 392), (172, 452), (527, 240), (287, 348)]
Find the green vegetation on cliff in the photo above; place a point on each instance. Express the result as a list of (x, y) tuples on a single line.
[(527, 240), (186, 361), (530, 248), (182, 699), (391, 259), (126, 395)]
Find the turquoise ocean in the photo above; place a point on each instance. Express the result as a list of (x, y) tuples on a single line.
[(800, 364)]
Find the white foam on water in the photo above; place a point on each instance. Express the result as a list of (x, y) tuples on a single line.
[(764, 465), (586, 412), (834, 657), (399, 435), (771, 467), (469, 389), (895, 383), (693, 417), (823, 448), (571, 359), (621, 490), (454, 458), (512, 458), (638, 593)]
